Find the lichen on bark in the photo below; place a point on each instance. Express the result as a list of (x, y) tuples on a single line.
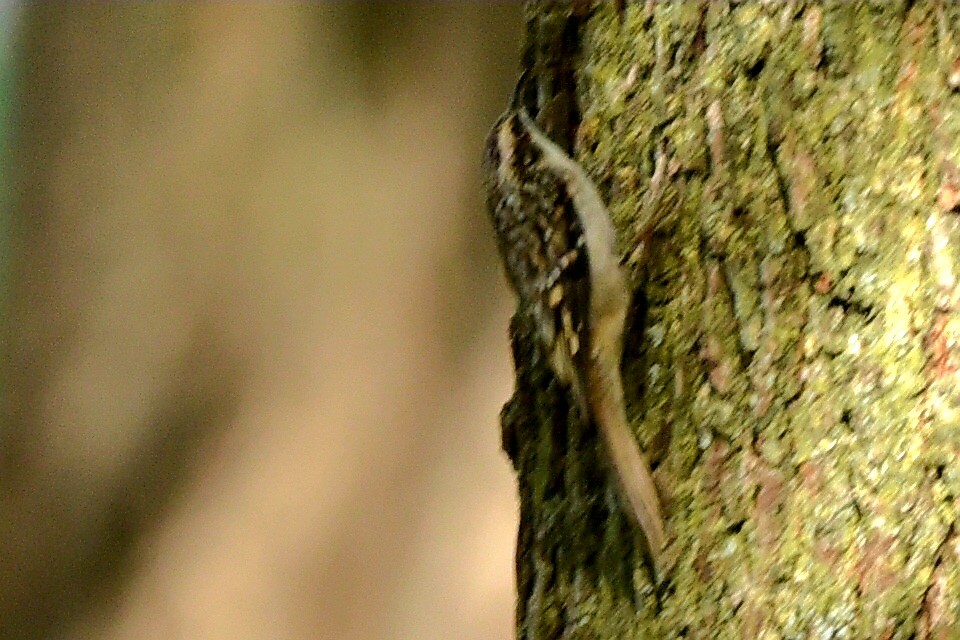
[(793, 365)]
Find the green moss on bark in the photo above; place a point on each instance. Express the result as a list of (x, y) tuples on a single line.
[(801, 328)]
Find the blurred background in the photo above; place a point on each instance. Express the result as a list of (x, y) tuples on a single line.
[(254, 328)]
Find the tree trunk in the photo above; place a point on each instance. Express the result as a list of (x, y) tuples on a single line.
[(792, 363)]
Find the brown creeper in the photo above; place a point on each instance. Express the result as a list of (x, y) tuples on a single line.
[(558, 245)]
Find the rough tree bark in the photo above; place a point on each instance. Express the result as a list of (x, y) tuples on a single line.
[(792, 365)]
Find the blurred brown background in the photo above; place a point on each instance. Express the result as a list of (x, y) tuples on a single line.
[(255, 329)]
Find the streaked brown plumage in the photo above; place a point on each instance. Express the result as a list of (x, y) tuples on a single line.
[(558, 246)]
